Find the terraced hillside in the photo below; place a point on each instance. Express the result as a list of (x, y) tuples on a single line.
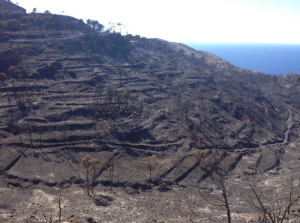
[(71, 93)]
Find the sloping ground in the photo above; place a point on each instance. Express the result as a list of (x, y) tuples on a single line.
[(123, 99)]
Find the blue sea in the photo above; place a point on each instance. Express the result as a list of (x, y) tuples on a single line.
[(268, 58)]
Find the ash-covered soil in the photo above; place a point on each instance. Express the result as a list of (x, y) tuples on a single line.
[(122, 99)]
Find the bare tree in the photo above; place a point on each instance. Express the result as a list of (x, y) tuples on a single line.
[(28, 128), (125, 96), (87, 163), (59, 205), (91, 164), (219, 198), (275, 203), (48, 217), (183, 106), (186, 107), (110, 96), (95, 167), (99, 93)]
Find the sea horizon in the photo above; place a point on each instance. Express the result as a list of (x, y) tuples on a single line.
[(270, 58)]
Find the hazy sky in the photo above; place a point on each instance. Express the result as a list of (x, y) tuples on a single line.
[(274, 21)]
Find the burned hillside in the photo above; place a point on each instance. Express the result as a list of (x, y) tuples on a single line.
[(69, 90)]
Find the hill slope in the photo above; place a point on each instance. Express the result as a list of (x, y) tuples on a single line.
[(74, 92)]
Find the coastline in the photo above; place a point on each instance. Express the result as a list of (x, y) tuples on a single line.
[(271, 58)]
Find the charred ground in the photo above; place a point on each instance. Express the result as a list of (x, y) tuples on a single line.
[(74, 92)]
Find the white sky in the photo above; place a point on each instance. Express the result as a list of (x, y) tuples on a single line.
[(265, 21)]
